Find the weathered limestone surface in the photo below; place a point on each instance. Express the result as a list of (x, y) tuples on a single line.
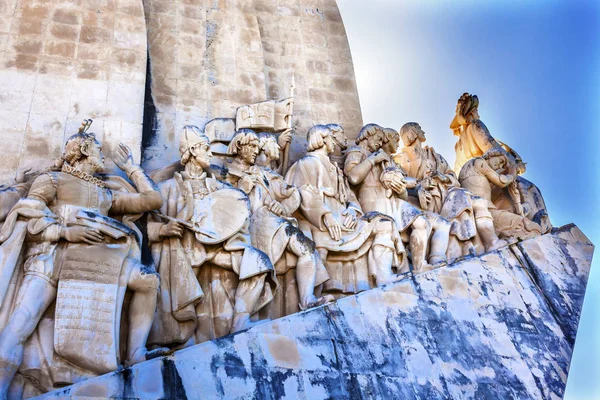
[(210, 57), (487, 327), (61, 62)]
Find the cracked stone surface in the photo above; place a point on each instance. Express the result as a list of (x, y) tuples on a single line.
[(498, 326)]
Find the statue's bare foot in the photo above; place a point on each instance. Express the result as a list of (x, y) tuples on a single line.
[(243, 322), (389, 279), (143, 354), (424, 268), (319, 302), (497, 244), (438, 261)]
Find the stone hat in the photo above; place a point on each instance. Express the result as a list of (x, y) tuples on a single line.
[(190, 136)]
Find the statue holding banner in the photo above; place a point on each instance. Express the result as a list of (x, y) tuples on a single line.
[(75, 235)]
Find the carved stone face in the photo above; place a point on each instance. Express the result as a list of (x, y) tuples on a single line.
[(248, 152), (421, 134), (391, 146), (329, 143), (375, 142), (271, 150), (340, 139), (498, 163), (201, 154), (95, 157)]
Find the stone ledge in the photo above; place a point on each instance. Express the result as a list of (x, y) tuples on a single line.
[(497, 326)]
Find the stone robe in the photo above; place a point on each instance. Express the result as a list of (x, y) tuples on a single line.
[(185, 279), (324, 189), (374, 197), (57, 199), (478, 177), (474, 140), (448, 199), (271, 233)]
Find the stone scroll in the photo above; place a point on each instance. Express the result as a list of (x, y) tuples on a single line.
[(88, 305)]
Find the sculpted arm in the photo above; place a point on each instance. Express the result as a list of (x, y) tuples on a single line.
[(156, 225), (148, 197), (483, 138), (492, 176), (305, 176), (357, 167)]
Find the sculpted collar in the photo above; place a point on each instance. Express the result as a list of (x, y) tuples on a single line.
[(187, 176), (66, 168)]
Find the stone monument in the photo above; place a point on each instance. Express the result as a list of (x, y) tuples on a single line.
[(269, 245)]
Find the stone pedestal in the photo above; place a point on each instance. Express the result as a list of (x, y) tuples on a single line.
[(498, 326)]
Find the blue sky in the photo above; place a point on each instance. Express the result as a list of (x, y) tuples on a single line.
[(535, 66)]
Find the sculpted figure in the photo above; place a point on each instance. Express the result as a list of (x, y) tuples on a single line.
[(438, 191), (272, 227), (203, 226), (338, 156), (271, 148), (479, 175), (474, 139), (76, 252), (348, 240), (369, 169)]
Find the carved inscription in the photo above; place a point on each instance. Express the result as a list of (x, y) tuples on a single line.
[(87, 305)]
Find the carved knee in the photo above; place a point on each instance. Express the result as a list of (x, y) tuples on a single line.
[(421, 223), (143, 279), (385, 226)]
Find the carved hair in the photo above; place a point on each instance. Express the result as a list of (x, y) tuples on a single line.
[(241, 138), (367, 131), (191, 136), (74, 148), (466, 104), (409, 133), (334, 128), (316, 137), (264, 138), (494, 152), (389, 134)]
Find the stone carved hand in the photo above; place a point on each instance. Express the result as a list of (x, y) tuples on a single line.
[(379, 156), (277, 208), (333, 226), (285, 138), (246, 184), (399, 187), (123, 157), (172, 228), (350, 219), (78, 234)]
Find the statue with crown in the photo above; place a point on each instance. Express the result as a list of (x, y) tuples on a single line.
[(70, 258)]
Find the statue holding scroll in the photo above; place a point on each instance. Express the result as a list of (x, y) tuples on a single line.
[(212, 279), (80, 249), (359, 250), (272, 227)]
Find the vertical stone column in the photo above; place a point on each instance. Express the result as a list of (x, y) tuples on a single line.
[(206, 60), (307, 38), (62, 62)]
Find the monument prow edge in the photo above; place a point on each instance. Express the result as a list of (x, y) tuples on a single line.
[(495, 326)]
